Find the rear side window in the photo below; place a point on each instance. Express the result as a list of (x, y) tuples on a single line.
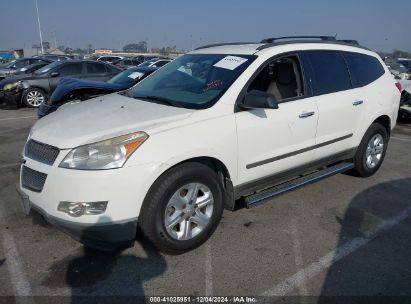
[(95, 68), (330, 72), (112, 69), (364, 69), (70, 69)]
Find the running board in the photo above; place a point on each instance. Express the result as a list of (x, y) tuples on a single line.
[(263, 196)]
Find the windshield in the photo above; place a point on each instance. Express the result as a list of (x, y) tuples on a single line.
[(9, 64), (47, 68), (193, 81), (127, 77)]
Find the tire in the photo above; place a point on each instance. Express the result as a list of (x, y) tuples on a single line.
[(33, 97), (369, 155), (168, 203)]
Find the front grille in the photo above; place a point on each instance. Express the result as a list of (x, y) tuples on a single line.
[(32, 179), (41, 152)]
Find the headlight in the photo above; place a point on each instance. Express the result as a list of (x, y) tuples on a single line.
[(107, 154), (11, 86)]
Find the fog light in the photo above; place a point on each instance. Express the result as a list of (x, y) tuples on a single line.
[(79, 209)]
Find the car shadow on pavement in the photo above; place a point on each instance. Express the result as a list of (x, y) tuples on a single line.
[(103, 276), (378, 219)]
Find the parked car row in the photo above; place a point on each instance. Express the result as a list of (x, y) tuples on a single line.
[(80, 90), (400, 68), (405, 102), (33, 84), (8, 69), (34, 89)]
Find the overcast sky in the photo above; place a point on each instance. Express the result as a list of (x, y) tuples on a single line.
[(378, 24)]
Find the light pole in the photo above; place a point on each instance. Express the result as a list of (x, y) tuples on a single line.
[(38, 20)]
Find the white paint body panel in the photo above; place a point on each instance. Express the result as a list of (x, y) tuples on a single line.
[(177, 134)]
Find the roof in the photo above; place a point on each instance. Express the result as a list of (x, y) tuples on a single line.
[(231, 48), (249, 48)]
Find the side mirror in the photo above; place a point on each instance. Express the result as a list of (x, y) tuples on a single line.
[(256, 99), (54, 74)]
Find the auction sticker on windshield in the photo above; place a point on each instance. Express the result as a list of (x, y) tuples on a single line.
[(135, 75), (230, 62)]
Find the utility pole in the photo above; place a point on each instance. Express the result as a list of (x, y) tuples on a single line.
[(38, 20)]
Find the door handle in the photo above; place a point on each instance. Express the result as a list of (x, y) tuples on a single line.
[(357, 102), (306, 114)]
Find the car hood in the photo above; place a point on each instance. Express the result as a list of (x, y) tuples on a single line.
[(97, 119)]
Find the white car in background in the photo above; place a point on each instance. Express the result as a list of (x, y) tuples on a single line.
[(156, 63), (223, 123)]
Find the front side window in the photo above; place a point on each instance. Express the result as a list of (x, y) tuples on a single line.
[(47, 68), (21, 63), (193, 81), (364, 69), (330, 72), (281, 77)]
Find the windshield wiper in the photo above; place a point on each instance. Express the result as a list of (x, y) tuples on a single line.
[(162, 100)]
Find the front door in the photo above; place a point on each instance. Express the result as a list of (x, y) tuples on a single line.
[(274, 140)]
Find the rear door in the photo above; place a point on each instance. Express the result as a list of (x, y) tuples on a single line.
[(340, 107)]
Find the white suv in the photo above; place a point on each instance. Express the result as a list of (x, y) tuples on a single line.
[(220, 124)]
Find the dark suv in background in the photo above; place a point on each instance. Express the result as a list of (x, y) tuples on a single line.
[(36, 88), (8, 69)]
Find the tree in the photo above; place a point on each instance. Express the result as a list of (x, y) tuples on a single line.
[(136, 47), (46, 44), (90, 48)]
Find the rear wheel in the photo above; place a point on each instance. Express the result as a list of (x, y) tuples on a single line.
[(182, 208), (33, 97), (371, 152)]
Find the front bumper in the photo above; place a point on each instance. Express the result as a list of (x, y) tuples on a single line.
[(10, 99), (105, 236)]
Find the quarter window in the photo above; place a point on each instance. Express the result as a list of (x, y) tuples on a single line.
[(364, 69), (330, 72)]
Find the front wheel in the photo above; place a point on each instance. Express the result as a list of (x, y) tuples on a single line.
[(182, 208), (371, 151), (33, 97)]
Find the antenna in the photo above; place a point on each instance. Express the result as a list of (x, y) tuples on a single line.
[(38, 20)]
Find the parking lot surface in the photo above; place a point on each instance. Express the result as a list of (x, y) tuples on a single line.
[(341, 236)]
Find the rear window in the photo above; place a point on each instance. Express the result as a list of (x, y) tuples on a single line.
[(364, 69), (330, 72)]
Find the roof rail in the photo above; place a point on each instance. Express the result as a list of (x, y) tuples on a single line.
[(324, 38), (221, 44), (349, 41)]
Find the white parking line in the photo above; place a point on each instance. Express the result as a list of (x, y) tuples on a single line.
[(303, 275), (14, 118), (20, 283), (399, 138), (208, 271), (298, 257)]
